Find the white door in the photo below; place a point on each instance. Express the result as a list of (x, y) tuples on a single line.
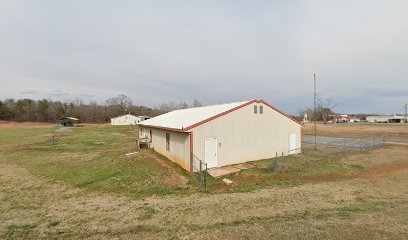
[(292, 143), (210, 152)]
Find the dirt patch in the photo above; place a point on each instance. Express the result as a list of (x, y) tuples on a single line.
[(384, 155), (23, 124), (385, 132)]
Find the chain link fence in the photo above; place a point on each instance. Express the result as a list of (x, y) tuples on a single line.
[(354, 143), (273, 166), (200, 173), (327, 152)]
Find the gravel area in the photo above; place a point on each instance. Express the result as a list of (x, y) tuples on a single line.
[(343, 142)]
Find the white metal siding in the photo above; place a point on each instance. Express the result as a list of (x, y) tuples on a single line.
[(244, 136), (125, 120), (179, 145), (210, 152)]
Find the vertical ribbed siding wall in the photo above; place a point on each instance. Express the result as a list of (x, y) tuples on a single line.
[(179, 145), (245, 136)]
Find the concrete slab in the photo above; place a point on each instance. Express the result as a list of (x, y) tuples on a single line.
[(243, 166), (221, 171)]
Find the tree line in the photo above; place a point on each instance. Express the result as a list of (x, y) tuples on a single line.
[(47, 110), (322, 112)]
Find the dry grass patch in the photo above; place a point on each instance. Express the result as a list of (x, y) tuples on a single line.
[(387, 132), (13, 124)]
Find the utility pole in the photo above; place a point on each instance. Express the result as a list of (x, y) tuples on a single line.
[(314, 108), (405, 113)]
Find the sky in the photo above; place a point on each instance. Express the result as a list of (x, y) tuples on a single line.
[(214, 51)]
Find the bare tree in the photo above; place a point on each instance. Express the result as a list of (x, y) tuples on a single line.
[(324, 109), (196, 103), (171, 106), (164, 107), (182, 105), (308, 111), (325, 106), (47, 110), (122, 101)]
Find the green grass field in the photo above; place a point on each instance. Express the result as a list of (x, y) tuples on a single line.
[(91, 157), (84, 186)]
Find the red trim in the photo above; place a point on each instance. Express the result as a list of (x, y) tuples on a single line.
[(222, 114), (163, 128), (191, 151), (219, 115)]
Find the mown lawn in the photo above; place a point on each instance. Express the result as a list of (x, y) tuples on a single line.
[(92, 157), (84, 186), (294, 169)]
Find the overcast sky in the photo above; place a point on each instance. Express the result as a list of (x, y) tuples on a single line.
[(215, 51)]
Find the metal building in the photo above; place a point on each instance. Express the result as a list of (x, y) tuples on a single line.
[(386, 119), (127, 119), (222, 134)]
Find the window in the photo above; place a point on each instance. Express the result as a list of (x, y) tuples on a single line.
[(151, 135), (260, 109), (168, 141), (255, 109)]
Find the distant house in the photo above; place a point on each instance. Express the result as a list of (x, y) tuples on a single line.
[(223, 134), (346, 118), (127, 119)]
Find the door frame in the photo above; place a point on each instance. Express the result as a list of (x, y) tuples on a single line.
[(292, 151), (216, 152)]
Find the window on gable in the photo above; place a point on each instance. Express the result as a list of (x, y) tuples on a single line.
[(260, 109), (168, 141), (255, 109)]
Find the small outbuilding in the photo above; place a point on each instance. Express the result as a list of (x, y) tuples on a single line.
[(144, 117), (68, 121), (127, 119), (223, 134)]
